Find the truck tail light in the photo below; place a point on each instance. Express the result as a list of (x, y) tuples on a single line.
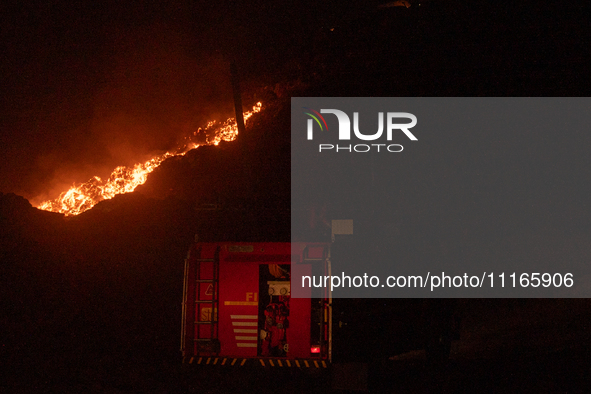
[(315, 349)]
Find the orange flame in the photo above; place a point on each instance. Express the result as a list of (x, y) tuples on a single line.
[(125, 179)]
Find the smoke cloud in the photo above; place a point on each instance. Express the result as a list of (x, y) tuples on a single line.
[(88, 98)]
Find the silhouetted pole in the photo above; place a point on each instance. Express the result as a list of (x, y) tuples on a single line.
[(237, 98)]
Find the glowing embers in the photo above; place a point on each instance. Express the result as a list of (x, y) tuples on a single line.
[(125, 179)]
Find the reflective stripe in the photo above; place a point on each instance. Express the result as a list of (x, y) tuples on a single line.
[(255, 317), (271, 362), (245, 338), (246, 344), (245, 323), (245, 330)]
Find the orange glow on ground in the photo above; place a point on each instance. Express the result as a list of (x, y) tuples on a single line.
[(80, 198)]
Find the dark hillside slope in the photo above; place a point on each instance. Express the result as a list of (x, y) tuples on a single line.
[(97, 297)]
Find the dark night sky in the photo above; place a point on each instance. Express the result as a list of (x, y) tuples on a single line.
[(87, 86)]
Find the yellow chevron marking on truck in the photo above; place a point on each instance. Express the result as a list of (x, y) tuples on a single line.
[(270, 362), (245, 338)]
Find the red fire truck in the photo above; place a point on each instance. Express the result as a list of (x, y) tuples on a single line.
[(238, 310)]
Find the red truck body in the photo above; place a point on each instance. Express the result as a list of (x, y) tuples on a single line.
[(237, 305)]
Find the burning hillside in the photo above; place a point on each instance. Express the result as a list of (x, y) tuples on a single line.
[(123, 179)]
